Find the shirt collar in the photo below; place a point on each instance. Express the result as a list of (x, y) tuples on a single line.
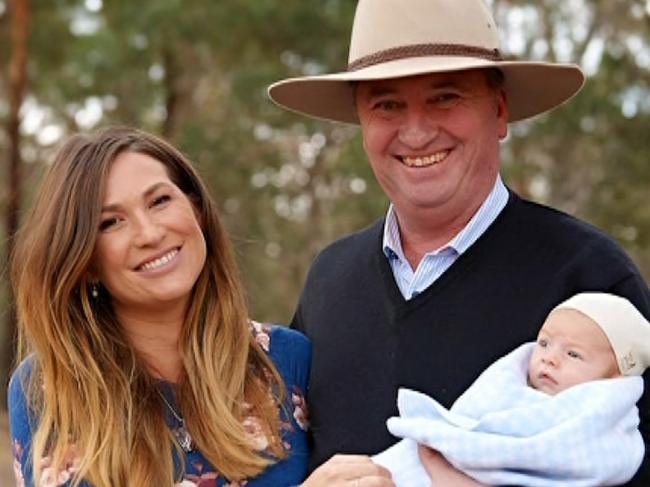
[(490, 208)]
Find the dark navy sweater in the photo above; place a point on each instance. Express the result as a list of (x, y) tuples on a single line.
[(368, 340)]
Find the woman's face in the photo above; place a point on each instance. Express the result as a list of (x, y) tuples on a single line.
[(150, 248)]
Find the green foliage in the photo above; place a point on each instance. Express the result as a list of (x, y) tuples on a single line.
[(196, 72), (590, 157)]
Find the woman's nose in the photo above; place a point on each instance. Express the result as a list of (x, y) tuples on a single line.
[(148, 231)]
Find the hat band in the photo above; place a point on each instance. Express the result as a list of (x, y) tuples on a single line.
[(422, 50)]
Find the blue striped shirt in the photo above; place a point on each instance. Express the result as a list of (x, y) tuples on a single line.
[(433, 264)]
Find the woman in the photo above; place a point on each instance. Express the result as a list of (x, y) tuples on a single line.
[(142, 367)]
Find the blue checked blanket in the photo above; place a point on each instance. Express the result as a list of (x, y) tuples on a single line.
[(502, 432)]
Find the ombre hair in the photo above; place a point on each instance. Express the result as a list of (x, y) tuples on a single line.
[(87, 385)]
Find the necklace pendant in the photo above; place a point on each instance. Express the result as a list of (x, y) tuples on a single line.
[(184, 439)]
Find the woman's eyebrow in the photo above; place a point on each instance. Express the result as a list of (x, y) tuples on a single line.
[(151, 189)]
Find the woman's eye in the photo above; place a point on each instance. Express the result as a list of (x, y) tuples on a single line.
[(107, 223), (160, 200)]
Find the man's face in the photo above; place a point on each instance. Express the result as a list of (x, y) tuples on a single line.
[(571, 349), (433, 140)]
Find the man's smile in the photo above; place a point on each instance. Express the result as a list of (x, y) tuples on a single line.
[(424, 161)]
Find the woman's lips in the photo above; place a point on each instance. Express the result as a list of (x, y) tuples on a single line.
[(160, 261)]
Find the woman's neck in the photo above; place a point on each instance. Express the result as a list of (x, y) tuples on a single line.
[(155, 335)]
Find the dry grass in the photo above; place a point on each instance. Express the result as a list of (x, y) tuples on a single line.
[(6, 458)]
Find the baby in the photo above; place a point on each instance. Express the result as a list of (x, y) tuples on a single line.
[(543, 415), (576, 342)]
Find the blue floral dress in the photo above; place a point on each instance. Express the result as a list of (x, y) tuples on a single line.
[(291, 353)]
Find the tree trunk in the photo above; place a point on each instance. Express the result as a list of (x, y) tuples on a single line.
[(19, 11)]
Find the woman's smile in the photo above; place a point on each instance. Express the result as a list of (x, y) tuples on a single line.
[(159, 262)]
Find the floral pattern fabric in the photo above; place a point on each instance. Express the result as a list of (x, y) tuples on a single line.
[(291, 353)]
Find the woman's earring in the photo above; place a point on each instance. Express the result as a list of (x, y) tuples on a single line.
[(94, 290)]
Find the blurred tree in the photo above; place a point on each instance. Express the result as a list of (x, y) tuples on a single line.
[(196, 72), (17, 82), (589, 157)]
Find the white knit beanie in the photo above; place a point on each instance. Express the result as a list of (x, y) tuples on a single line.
[(627, 330)]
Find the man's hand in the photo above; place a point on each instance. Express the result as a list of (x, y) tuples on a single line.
[(349, 471)]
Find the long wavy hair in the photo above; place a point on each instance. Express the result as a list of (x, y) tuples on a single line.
[(87, 385)]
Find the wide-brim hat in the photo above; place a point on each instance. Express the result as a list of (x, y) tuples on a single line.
[(627, 330), (398, 38)]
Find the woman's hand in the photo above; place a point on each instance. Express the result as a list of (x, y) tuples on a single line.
[(349, 471), (442, 472)]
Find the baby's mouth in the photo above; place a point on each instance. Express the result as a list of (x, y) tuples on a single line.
[(547, 377)]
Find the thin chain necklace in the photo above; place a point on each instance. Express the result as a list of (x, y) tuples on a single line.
[(180, 433)]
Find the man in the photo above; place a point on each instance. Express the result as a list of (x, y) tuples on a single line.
[(461, 270)]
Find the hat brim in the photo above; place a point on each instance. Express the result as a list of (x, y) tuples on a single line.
[(532, 87)]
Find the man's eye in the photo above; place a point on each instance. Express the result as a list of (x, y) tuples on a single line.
[(107, 223), (386, 105), (446, 98)]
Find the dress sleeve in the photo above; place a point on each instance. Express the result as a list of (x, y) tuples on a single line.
[(290, 350), (20, 423)]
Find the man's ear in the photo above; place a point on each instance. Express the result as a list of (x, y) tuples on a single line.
[(502, 114)]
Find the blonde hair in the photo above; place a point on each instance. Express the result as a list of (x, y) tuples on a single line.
[(89, 388)]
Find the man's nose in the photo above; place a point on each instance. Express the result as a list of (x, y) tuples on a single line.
[(417, 129)]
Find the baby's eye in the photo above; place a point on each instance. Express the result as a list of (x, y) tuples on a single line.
[(573, 354), (108, 223), (542, 342)]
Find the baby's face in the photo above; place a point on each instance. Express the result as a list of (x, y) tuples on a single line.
[(571, 349)]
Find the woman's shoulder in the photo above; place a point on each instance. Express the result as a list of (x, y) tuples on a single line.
[(275, 338), (289, 349), (19, 381)]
